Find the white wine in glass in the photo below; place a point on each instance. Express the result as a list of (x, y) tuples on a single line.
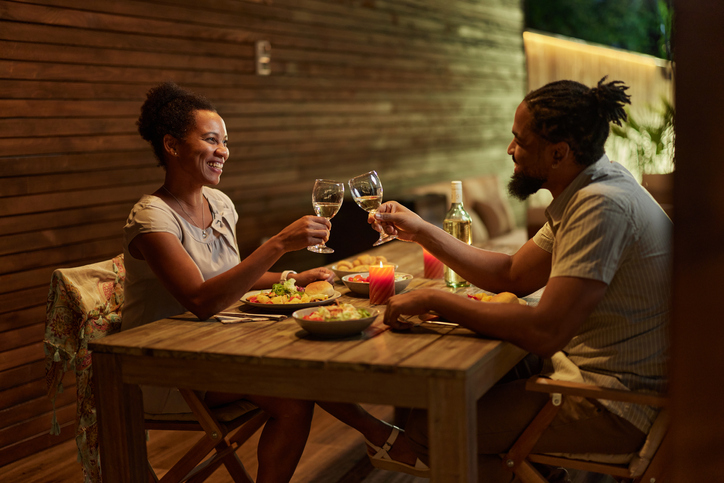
[(327, 197), (367, 193)]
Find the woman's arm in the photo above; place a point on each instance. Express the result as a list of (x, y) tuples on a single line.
[(179, 274)]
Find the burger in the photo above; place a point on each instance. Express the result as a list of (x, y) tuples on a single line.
[(321, 287)]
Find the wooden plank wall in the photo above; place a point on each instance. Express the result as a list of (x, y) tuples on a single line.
[(421, 90)]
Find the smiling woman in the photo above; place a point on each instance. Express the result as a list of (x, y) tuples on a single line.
[(181, 254)]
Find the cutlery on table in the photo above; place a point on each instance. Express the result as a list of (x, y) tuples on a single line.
[(235, 317)]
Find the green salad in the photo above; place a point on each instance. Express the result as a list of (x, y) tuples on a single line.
[(288, 287), (338, 312)]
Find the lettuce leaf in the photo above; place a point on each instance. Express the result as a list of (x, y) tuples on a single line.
[(288, 287)]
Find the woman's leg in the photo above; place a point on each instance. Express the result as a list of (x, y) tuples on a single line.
[(373, 429), (284, 435)]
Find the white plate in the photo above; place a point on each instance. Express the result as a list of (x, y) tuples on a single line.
[(286, 306), (333, 328)]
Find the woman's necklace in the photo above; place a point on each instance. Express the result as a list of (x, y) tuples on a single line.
[(203, 226)]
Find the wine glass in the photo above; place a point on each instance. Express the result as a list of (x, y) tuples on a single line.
[(327, 197), (367, 193)]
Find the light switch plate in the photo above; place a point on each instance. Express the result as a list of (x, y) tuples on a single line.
[(263, 57)]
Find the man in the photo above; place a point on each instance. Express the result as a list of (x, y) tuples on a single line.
[(604, 258)]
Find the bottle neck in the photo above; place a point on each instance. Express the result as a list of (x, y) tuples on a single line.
[(456, 194)]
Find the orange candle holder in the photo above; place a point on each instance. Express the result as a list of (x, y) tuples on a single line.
[(433, 267), (382, 283)]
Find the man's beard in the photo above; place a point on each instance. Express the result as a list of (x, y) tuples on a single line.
[(522, 186)]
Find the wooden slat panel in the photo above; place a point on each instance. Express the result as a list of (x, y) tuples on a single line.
[(21, 318), (20, 337), (75, 163), (63, 236), (36, 425), (22, 374), (71, 255), (25, 392), (32, 445), (21, 355), (65, 404)]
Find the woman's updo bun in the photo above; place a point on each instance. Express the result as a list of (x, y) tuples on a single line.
[(168, 109)]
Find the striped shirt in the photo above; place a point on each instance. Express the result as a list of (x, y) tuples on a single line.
[(605, 226)]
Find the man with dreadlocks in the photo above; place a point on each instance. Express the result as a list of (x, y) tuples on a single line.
[(604, 259)]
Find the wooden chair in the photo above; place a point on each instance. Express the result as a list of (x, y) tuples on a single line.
[(646, 466), (85, 303), (215, 424)]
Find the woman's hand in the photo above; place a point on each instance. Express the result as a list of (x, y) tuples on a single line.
[(308, 276), (395, 219), (306, 231), (416, 302)]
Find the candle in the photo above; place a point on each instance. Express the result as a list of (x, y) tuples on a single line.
[(433, 267), (382, 283)]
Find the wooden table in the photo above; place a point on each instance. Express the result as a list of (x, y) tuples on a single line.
[(442, 368)]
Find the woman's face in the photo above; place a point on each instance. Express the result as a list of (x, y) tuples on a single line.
[(203, 151)]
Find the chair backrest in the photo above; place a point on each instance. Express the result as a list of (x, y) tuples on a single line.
[(84, 303)]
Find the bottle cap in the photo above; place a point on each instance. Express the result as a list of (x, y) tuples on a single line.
[(456, 192)]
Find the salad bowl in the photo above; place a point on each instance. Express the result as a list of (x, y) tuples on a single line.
[(333, 328)]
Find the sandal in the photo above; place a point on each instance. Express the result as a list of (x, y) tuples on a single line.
[(382, 460)]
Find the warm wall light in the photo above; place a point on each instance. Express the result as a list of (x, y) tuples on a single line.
[(263, 57), (609, 52)]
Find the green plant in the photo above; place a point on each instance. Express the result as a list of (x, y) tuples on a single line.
[(648, 138)]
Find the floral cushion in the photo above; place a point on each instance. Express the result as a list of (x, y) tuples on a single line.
[(84, 304)]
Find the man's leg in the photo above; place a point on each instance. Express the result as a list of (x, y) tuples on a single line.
[(581, 426)]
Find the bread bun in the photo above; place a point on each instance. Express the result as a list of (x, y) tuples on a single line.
[(344, 265), (365, 260), (321, 287), (504, 298)]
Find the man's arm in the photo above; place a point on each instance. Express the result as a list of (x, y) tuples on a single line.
[(542, 329), (523, 273)]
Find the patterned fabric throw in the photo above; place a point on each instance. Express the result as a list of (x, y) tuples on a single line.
[(84, 304)]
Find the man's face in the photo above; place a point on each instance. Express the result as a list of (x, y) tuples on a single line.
[(529, 153)]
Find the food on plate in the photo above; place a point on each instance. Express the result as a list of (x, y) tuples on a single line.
[(288, 293), (321, 287), (331, 313), (501, 298), (361, 263)]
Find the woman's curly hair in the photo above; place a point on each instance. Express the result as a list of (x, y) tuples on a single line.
[(571, 112), (168, 109)]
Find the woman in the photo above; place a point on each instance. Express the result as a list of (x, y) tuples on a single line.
[(181, 254)]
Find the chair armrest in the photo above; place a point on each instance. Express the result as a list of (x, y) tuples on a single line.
[(542, 384)]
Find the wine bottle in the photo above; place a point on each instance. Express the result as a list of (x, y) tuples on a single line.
[(458, 223)]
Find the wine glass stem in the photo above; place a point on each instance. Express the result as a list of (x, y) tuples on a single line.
[(384, 237)]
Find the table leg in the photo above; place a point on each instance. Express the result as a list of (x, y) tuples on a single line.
[(452, 428), (121, 434)]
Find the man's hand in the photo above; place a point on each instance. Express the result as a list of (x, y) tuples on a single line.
[(395, 219), (410, 303)]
